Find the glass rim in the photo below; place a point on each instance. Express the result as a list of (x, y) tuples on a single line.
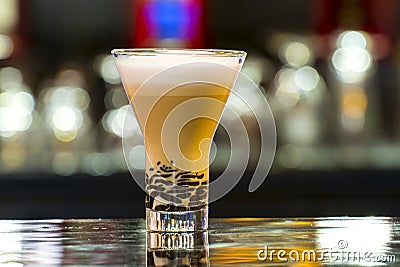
[(127, 52)]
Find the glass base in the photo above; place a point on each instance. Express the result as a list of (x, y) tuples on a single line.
[(178, 241), (177, 249), (177, 221)]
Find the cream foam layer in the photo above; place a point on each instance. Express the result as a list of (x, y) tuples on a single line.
[(163, 71)]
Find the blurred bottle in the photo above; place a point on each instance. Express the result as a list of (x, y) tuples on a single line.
[(359, 35)]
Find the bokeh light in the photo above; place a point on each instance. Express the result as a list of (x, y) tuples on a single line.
[(351, 63), (98, 164), (70, 77), (352, 125), (16, 103), (294, 84), (115, 98), (354, 102), (354, 105), (65, 105), (306, 78), (287, 93), (105, 67), (67, 119), (10, 79), (352, 60), (296, 54), (301, 127), (65, 163), (9, 15), (6, 46), (136, 157), (67, 96), (285, 81), (13, 154), (114, 121), (253, 68), (352, 39)]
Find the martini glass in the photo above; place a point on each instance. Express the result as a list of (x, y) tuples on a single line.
[(178, 96)]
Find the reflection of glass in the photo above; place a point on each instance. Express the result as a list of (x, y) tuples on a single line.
[(178, 97), (177, 249)]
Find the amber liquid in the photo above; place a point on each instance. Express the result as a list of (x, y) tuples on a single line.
[(179, 125)]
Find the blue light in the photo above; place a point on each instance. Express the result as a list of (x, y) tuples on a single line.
[(170, 18)]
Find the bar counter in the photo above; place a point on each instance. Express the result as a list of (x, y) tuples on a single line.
[(334, 241)]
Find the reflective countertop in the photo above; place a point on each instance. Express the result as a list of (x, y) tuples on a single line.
[(338, 241)]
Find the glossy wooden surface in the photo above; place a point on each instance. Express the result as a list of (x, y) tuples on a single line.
[(339, 241)]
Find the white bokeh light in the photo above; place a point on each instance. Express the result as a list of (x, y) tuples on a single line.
[(306, 78), (67, 119), (136, 157), (98, 164), (10, 79), (105, 67), (6, 46), (351, 59), (296, 54), (16, 109), (114, 120), (352, 39)]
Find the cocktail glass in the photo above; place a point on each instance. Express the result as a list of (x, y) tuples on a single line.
[(178, 96)]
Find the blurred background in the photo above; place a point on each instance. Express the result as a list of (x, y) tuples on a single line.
[(328, 68)]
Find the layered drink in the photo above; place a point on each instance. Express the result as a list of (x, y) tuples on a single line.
[(178, 97)]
